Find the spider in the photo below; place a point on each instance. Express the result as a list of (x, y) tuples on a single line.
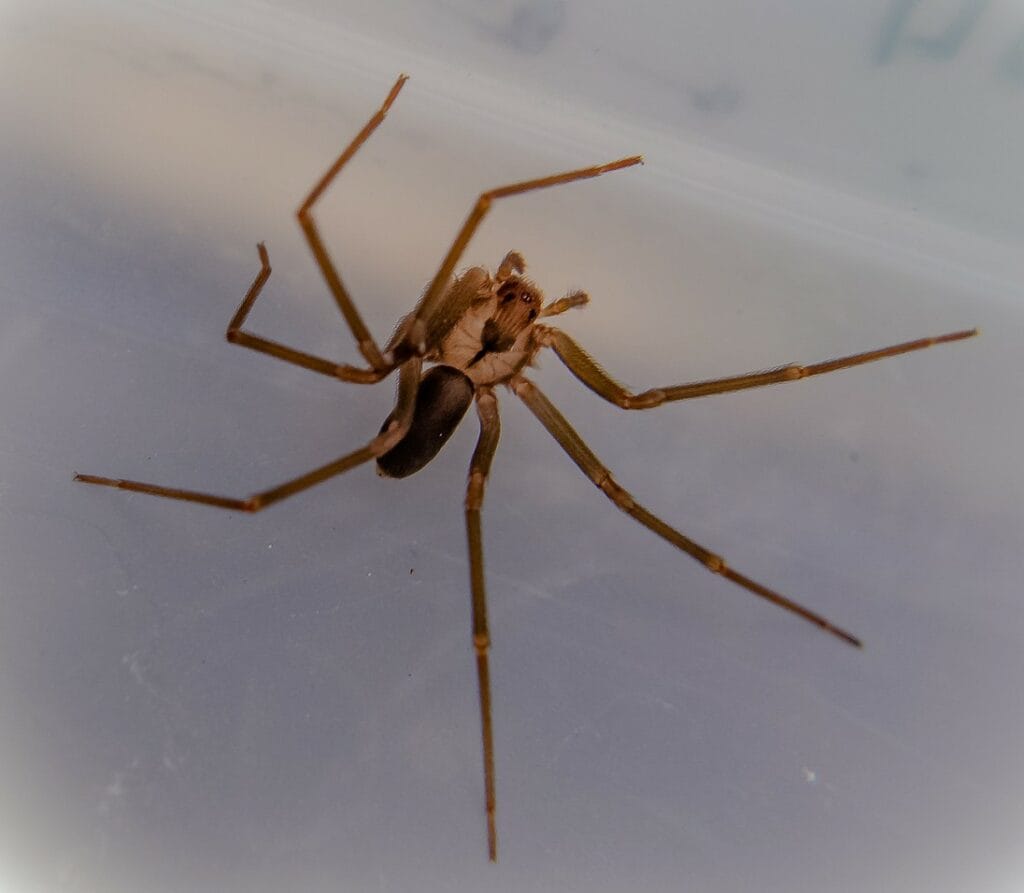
[(479, 330)]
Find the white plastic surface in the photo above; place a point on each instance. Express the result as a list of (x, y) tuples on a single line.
[(197, 700)]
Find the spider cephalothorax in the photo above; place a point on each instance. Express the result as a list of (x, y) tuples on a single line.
[(480, 331)]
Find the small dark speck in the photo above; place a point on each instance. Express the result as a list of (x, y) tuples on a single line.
[(411, 570), (854, 456)]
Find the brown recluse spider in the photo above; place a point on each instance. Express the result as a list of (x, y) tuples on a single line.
[(481, 330)]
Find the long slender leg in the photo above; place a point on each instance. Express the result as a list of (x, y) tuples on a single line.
[(592, 467), (480, 466), (436, 290), (407, 385), (237, 335), (367, 346), (588, 371)]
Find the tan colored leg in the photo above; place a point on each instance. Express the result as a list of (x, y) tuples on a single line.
[(592, 467), (479, 468), (408, 382), (588, 371), (367, 346), (435, 292), (237, 335)]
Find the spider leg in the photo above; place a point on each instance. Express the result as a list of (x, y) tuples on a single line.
[(592, 467), (480, 466), (237, 335), (408, 382), (589, 371), (436, 290), (367, 346)]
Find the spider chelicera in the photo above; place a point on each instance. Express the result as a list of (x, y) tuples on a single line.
[(480, 330)]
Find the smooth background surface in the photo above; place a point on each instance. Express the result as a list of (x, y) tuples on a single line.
[(196, 700)]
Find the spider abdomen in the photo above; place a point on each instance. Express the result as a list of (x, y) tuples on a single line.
[(442, 399)]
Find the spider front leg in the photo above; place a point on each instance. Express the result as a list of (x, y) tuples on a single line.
[(435, 292), (378, 366), (593, 468), (479, 468), (588, 371), (408, 382), (367, 346)]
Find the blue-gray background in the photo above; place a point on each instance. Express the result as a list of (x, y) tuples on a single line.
[(198, 700)]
